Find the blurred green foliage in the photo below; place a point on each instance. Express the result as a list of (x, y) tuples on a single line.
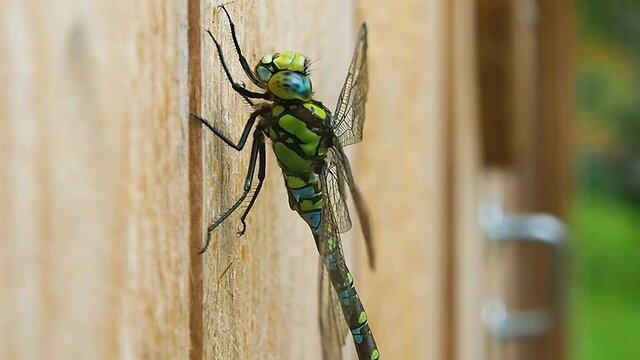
[(617, 21), (606, 211), (606, 310), (605, 102)]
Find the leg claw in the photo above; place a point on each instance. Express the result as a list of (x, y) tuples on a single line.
[(242, 230)]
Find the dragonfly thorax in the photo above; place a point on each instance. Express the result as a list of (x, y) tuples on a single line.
[(285, 75)]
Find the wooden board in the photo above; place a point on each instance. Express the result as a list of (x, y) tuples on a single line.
[(93, 180), (536, 167), (402, 171), (465, 162)]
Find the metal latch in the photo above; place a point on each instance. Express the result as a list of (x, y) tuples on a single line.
[(542, 229)]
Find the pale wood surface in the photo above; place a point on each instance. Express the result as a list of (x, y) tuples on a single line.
[(94, 193), (465, 163), (401, 169)]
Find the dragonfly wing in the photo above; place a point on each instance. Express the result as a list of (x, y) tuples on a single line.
[(335, 195), (332, 325), (341, 171), (349, 113)]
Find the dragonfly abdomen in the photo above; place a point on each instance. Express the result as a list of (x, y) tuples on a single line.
[(306, 198), (352, 308)]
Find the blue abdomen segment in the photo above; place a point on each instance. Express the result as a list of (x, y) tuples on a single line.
[(313, 219), (307, 192), (352, 308), (305, 197)]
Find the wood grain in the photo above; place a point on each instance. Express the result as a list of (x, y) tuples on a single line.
[(94, 246), (401, 169), (465, 165)]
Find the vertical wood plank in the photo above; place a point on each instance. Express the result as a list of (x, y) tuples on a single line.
[(93, 188), (468, 262), (260, 289), (558, 39), (496, 75), (196, 183), (556, 59), (402, 172), (521, 263), (549, 164), (538, 177)]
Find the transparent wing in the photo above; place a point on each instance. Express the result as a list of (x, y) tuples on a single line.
[(349, 113), (332, 325), (334, 328), (335, 194), (339, 172)]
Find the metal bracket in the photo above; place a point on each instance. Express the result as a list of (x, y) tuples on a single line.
[(543, 229)]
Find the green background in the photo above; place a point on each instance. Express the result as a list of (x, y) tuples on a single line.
[(605, 304)]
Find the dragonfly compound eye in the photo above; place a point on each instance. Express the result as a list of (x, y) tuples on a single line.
[(290, 85), (290, 63), (265, 68)]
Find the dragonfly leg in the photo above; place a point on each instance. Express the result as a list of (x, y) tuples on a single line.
[(245, 133), (236, 86), (243, 61), (258, 142), (262, 171)]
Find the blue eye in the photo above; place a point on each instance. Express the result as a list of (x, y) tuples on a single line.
[(264, 74), (300, 84), (290, 85)]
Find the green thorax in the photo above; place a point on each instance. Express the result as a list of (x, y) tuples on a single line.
[(300, 134)]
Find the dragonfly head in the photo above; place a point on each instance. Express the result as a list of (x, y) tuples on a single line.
[(285, 75)]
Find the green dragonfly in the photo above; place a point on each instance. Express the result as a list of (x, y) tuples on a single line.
[(308, 141)]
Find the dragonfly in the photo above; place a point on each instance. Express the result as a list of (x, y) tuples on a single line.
[(308, 141)]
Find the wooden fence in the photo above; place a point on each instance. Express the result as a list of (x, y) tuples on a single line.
[(107, 185)]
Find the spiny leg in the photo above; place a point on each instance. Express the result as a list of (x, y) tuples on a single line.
[(236, 86), (258, 142), (245, 132), (262, 171), (241, 58)]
